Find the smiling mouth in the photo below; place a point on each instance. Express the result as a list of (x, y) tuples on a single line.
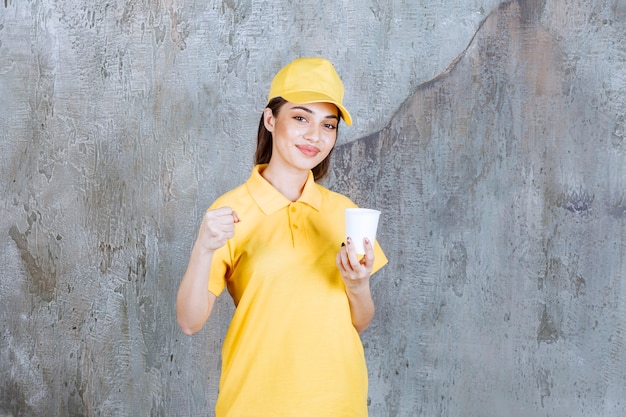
[(308, 150)]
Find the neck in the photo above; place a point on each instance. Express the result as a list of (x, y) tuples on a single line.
[(289, 184)]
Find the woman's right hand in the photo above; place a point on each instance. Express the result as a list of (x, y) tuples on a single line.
[(218, 225)]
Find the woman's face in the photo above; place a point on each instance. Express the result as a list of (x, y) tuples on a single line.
[(303, 134)]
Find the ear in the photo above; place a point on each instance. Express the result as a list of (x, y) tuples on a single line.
[(268, 119)]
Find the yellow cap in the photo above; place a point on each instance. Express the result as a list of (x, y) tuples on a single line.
[(310, 80)]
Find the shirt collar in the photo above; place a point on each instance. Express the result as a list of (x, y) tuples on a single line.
[(270, 200)]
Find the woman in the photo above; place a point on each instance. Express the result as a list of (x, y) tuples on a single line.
[(302, 296)]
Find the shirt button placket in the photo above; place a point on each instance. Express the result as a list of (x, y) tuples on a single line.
[(292, 222)]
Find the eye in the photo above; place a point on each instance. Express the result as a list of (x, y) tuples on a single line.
[(330, 126), (300, 118)]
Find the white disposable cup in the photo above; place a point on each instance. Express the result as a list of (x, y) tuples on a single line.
[(361, 223)]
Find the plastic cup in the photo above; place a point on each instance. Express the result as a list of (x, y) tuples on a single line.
[(361, 223)]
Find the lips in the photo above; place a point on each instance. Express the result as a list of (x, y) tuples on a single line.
[(308, 150)]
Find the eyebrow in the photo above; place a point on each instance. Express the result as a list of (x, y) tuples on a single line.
[(306, 109)]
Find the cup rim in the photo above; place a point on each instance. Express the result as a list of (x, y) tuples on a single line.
[(362, 210)]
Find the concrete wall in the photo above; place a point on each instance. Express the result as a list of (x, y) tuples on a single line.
[(491, 136)]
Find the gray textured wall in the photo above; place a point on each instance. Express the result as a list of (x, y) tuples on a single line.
[(491, 136)]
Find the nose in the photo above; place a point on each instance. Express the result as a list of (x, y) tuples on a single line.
[(313, 133)]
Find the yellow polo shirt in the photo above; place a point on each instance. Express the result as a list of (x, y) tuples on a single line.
[(291, 348)]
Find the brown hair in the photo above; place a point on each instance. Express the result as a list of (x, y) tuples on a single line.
[(263, 152)]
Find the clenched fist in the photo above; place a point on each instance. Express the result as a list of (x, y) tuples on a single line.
[(217, 227)]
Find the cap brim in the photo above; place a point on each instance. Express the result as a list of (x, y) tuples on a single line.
[(303, 97)]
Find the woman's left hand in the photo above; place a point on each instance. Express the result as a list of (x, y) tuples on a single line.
[(355, 272)]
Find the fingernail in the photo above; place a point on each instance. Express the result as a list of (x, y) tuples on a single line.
[(343, 244)]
